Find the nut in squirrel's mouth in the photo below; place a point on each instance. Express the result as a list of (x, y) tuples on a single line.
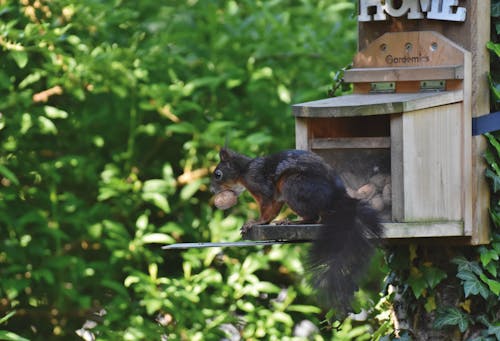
[(225, 199)]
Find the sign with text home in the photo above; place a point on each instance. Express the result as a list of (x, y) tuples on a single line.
[(379, 10)]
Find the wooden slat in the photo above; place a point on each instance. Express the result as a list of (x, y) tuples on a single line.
[(391, 231), (374, 104), (433, 164), (387, 74), (397, 170), (424, 230), (301, 134), (351, 143)]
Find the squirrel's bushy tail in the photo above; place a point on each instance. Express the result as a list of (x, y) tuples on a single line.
[(341, 254)]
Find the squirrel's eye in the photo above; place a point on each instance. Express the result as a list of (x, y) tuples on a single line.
[(218, 174)]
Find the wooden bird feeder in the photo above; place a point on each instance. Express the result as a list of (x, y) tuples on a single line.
[(403, 139)]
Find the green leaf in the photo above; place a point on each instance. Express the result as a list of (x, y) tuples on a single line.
[(495, 179), (487, 255), (495, 12), (475, 287), (8, 174), (433, 276), (465, 265), (20, 57), (451, 317), (181, 128), (304, 309), (496, 144), (417, 282), (30, 79), (53, 112), (267, 287), (156, 185), (190, 189), (492, 284), (8, 316), (495, 88), (10, 336), (47, 126), (494, 47), (157, 238), (157, 199), (430, 304), (494, 330)]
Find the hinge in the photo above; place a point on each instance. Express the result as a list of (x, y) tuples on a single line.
[(433, 85), (383, 87)]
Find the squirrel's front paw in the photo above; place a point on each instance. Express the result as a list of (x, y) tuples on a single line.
[(247, 226)]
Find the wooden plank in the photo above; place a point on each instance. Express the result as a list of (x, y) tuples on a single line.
[(351, 143), (397, 170), (374, 104), (467, 181), (391, 231), (301, 134), (433, 163), (393, 74), (424, 230), (480, 196), (427, 49)]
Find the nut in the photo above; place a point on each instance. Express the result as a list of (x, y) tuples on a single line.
[(366, 191), (377, 203), (225, 199)]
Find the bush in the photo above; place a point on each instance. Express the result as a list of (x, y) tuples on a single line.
[(111, 115)]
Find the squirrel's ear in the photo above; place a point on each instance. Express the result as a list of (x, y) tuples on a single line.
[(224, 154)]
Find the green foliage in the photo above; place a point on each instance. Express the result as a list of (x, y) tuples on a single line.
[(7, 335), (110, 119)]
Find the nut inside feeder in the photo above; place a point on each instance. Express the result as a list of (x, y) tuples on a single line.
[(366, 175)]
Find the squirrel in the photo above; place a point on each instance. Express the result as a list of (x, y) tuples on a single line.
[(311, 188)]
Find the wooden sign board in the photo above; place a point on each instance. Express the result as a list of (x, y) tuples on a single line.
[(472, 34)]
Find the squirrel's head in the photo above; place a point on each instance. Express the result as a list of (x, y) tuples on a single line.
[(227, 175)]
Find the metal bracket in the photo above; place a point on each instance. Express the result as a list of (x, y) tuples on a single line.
[(438, 85), (382, 87)]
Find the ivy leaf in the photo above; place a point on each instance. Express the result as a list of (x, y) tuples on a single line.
[(433, 276), (465, 265), (474, 288), (492, 269), (495, 11), (417, 282), (451, 317), (492, 284), (496, 144), (494, 330), (487, 255), (495, 217), (495, 179), (493, 47), (430, 305)]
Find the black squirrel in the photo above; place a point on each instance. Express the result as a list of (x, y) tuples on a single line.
[(313, 190)]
